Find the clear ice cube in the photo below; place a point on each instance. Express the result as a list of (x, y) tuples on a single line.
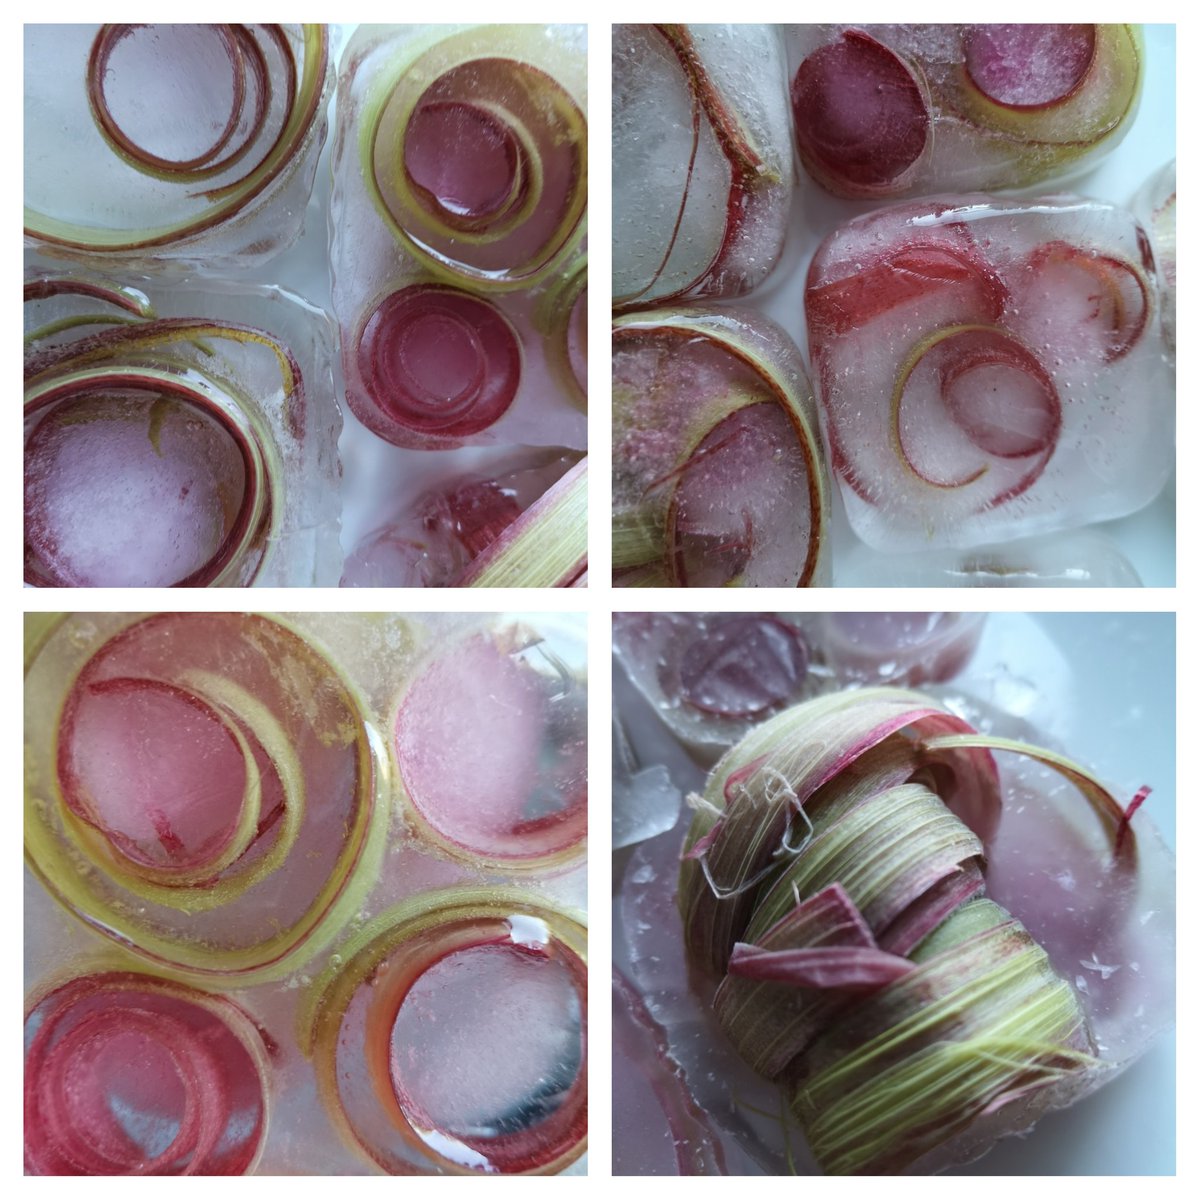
[(990, 369), (702, 172), (894, 110)]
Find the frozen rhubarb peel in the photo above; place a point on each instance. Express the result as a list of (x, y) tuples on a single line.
[(181, 441), (459, 219), (1154, 205), (504, 202), (862, 118), (974, 359), (702, 177), (495, 1088), (212, 166), (895, 110), (915, 985), (200, 879), (718, 480), (127, 1074), (517, 707)]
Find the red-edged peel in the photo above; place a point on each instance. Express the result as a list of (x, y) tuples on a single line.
[(998, 397), (126, 1074)]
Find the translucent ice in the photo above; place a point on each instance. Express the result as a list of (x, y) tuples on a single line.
[(717, 477), (702, 174), (458, 220), (1154, 206), (1082, 559), (429, 541), (645, 801), (990, 369), (186, 436), (186, 144), (891, 110), (712, 677)]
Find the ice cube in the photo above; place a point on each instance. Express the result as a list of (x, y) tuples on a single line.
[(458, 217), (1154, 206), (186, 436), (892, 110), (702, 173), (190, 147), (717, 478), (430, 540), (989, 369)]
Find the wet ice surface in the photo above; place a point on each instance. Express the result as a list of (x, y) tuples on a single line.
[(445, 1055), (977, 361), (1099, 687), (702, 177), (516, 1063), (717, 478), (1087, 558), (894, 110)]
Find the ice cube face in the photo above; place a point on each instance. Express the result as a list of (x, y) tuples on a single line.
[(895, 110), (192, 145), (990, 369), (717, 475), (430, 541), (458, 218), (702, 169), (185, 436), (1154, 206)]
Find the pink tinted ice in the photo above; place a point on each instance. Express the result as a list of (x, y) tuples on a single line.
[(497, 712), (457, 234), (893, 110), (989, 369), (702, 172), (712, 677)]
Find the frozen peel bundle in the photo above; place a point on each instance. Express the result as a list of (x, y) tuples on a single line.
[(183, 439), (717, 475), (192, 143), (990, 369), (886, 913), (702, 173), (458, 222), (889, 110)]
